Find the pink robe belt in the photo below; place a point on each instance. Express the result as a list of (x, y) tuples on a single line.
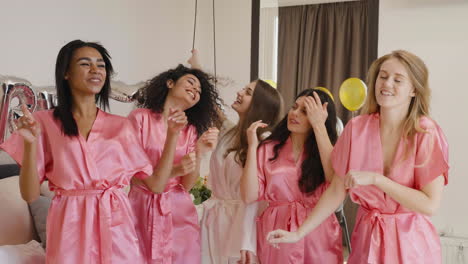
[(109, 213), (161, 224), (297, 212), (377, 241), (210, 203)]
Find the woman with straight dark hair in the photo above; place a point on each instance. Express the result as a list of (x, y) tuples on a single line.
[(290, 170), (87, 155), (166, 218), (223, 217)]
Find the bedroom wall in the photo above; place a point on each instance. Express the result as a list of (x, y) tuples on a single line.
[(436, 31), (143, 37)]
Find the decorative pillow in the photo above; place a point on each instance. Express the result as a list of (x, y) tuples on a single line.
[(30, 253), (39, 209)]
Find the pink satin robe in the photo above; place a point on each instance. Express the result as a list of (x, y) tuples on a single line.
[(90, 219), (288, 208), (167, 223), (385, 231)]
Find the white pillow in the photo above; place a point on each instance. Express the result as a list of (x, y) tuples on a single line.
[(30, 253)]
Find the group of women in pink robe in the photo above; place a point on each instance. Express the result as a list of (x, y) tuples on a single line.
[(392, 161)]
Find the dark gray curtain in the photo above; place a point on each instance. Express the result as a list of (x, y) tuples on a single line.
[(323, 45)]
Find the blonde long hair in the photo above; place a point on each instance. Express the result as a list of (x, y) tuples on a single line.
[(419, 106)]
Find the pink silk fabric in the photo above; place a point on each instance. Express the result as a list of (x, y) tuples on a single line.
[(288, 208), (90, 219), (166, 223), (385, 231)]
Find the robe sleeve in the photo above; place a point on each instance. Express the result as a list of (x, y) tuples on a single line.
[(14, 146), (431, 158), (341, 151), (249, 226), (138, 162), (262, 159)]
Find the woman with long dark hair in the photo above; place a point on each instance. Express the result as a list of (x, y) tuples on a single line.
[(223, 217), (166, 218), (290, 170), (87, 155)]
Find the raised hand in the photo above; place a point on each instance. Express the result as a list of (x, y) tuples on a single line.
[(252, 138), (186, 166), (208, 140), (194, 60), (316, 112), (28, 127), (176, 121)]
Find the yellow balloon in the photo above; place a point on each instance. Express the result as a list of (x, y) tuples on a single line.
[(353, 93), (323, 89), (271, 82)]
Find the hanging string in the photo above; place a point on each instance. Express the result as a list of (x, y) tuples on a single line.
[(195, 24), (214, 44)]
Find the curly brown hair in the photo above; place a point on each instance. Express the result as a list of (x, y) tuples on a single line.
[(202, 115)]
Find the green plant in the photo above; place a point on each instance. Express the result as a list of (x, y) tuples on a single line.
[(200, 192)]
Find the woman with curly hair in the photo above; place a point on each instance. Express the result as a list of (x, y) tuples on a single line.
[(166, 218)]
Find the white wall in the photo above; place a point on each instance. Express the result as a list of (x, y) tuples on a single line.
[(436, 31), (233, 27), (144, 37)]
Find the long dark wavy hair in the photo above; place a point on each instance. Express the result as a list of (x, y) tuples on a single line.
[(202, 115), (312, 173), (63, 111), (266, 105)]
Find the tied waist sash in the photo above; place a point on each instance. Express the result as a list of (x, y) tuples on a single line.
[(377, 242), (297, 211), (161, 221), (109, 214)]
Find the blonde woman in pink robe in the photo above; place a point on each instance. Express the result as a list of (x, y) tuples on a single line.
[(290, 170), (166, 218), (223, 225), (87, 155), (393, 160)]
